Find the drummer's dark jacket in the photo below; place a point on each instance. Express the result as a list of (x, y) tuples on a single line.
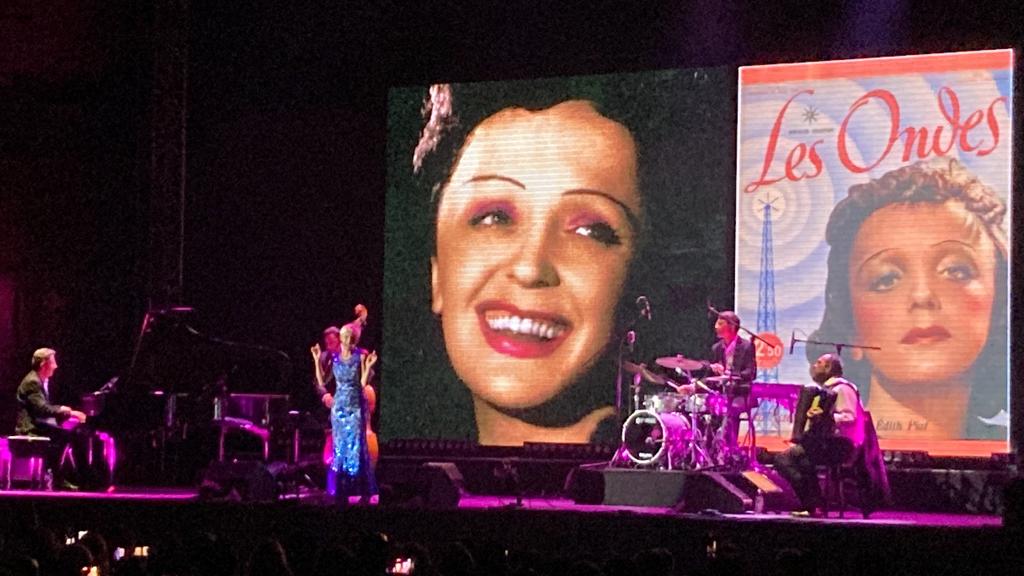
[(744, 362), (35, 413)]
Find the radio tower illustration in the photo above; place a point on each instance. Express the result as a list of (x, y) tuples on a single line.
[(770, 420), (766, 283), (768, 411)]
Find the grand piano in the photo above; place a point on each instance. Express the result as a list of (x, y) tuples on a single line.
[(187, 399)]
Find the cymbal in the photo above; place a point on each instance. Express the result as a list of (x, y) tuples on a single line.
[(679, 362), (631, 367), (643, 371)]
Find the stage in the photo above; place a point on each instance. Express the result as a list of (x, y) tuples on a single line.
[(946, 515), (553, 529), (471, 502)]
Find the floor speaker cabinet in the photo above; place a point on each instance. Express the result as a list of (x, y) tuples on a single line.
[(770, 493), (683, 491), (246, 481), (714, 491), (427, 485), (625, 486)]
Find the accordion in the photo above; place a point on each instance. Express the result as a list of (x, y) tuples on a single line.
[(811, 396)]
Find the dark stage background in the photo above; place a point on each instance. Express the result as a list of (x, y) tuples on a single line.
[(285, 140)]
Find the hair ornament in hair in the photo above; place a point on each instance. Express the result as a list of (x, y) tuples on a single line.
[(437, 111)]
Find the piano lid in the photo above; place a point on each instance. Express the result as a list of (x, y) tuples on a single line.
[(173, 357)]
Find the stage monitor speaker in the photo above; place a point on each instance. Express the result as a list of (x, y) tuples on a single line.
[(768, 490), (713, 491), (588, 484), (683, 491), (239, 481), (426, 485)]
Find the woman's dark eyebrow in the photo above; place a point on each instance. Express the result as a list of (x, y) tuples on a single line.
[(488, 177), (633, 219), (630, 216), (872, 257), (883, 251), (953, 241)]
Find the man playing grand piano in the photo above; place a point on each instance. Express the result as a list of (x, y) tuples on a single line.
[(37, 416)]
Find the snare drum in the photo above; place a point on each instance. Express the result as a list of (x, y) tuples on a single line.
[(665, 402), (714, 404), (651, 438)]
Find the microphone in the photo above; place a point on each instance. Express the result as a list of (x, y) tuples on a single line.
[(712, 312), (630, 339), (792, 342), (645, 305)]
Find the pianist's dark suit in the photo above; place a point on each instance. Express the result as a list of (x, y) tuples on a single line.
[(36, 416)]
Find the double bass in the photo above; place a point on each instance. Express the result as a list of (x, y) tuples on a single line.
[(369, 394)]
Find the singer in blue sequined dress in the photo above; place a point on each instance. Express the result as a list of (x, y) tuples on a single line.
[(351, 473)]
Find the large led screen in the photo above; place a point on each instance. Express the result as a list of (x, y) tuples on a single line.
[(530, 226), (873, 219)]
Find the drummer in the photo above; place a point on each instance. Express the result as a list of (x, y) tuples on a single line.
[(734, 362)]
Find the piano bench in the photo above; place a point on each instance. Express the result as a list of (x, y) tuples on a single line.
[(30, 452), (228, 424)]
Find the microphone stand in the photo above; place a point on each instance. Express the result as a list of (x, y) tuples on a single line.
[(628, 338), (739, 328), (618, 366), (837, 345), (752, 335), (146, 320)]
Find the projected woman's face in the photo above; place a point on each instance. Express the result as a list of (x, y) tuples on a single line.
[(535, 231), (922, 284)]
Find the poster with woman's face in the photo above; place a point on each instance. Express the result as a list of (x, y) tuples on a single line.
[(873, 219), (524, 221)]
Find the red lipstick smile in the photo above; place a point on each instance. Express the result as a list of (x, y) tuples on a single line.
[(521, 333), (929, 335)]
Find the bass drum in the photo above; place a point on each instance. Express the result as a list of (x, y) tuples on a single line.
[(651, 438)]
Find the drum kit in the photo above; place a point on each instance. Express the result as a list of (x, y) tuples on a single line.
[(681, 427)]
